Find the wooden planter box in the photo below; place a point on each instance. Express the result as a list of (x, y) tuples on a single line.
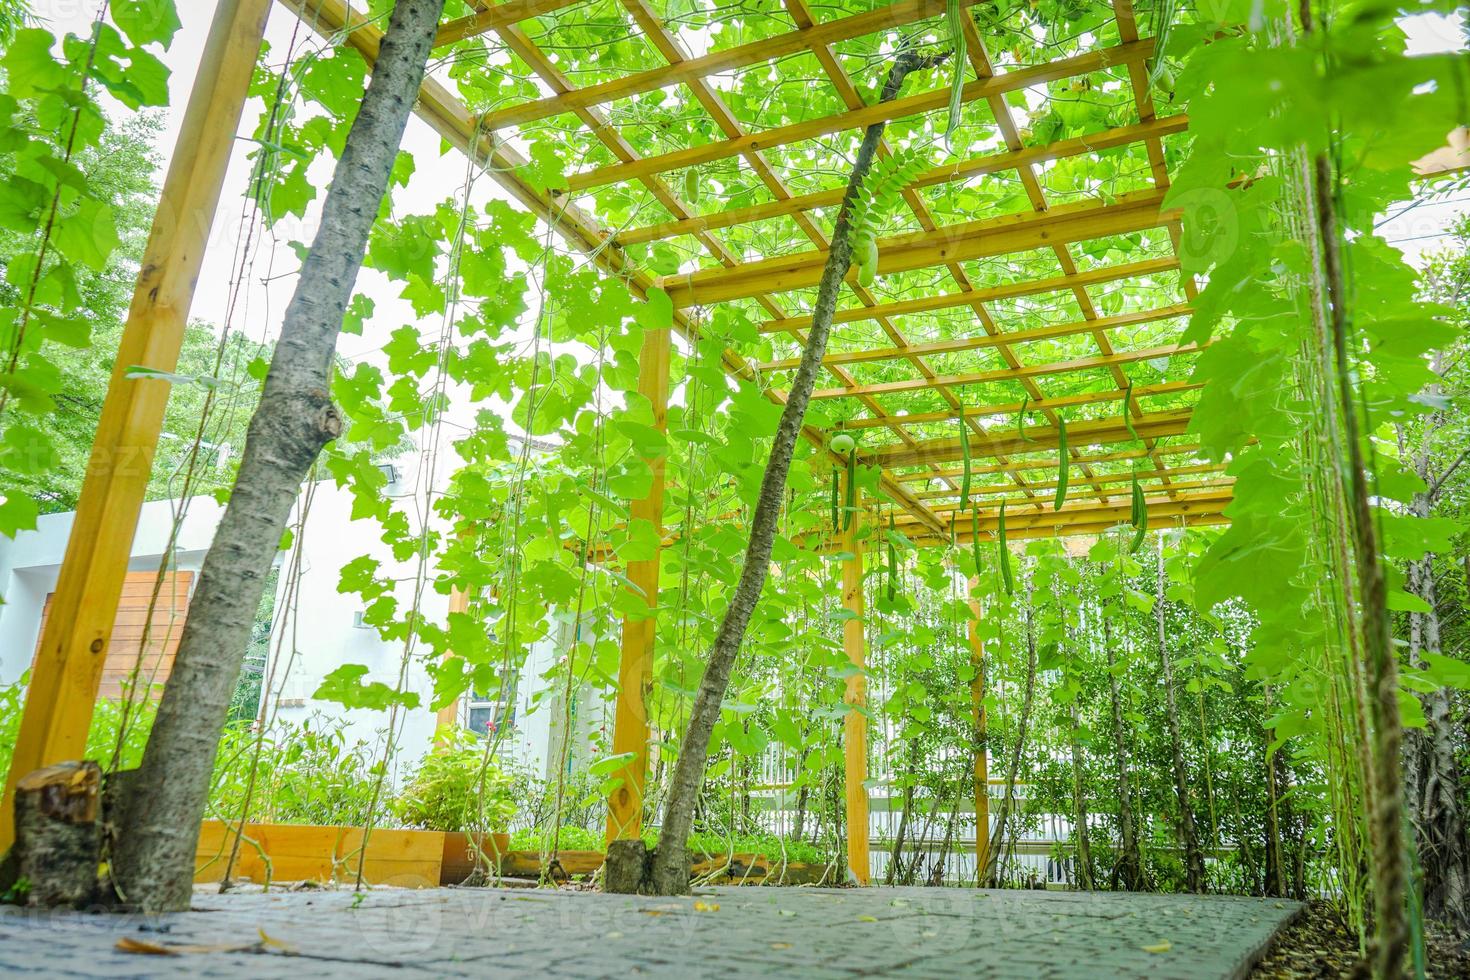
[(299, 852), (527, 864), (464, 853), (759, 869)]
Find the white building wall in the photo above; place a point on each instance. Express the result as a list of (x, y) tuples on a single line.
[(30, 563)]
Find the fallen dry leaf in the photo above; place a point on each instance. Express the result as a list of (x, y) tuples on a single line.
[(780, 945), (703, 906), (867, 918), (128, 944), (270, 940), (1162, 947)]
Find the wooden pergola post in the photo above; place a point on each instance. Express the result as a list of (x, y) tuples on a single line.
[(855, 724), (982, 758), (448, 716), (635, 665), (73, 647)]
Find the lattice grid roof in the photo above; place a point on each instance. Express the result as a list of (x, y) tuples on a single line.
[(1032, 270)]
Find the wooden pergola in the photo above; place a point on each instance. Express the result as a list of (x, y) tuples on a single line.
[(1066, 307)]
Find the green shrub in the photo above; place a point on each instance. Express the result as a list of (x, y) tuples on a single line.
[(457, 788), (307, 774)]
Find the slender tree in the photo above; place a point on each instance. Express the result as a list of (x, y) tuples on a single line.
[(1194, 859), (670, 871), (153, 863)]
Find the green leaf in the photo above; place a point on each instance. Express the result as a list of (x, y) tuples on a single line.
[(344, 686), (146, 21)]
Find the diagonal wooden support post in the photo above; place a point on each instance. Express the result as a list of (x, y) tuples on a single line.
[(635, 668), (855, 724), (73, 647)]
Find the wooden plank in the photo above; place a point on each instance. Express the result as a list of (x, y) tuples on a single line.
[(889, 16), (1034, 439), (401, 858), (963, 170), (1045, 405), (447, 718), (920, 250), (635, 664), (949, 301), (63, 687), (956, 345), (855, 723), (1011, 374), (496, 15), (921, 102)]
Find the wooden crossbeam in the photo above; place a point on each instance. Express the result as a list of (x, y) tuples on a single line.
[(1049, 332), (1019, 504), (1087, 514), (1159, 515), (1033, 439), (1118, 456), (1001, 489), (920, 250), (1010, 374), (964, 170), (497, 15), (860, 118), (889, 16), (1011, 408), (949, 301)]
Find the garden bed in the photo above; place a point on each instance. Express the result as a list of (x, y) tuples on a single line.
[(299, 852)]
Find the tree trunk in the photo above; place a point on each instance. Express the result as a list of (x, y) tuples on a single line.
[(154, 862), (1079, 808), (903, 825), (1432, 767), (684, 786), (997, 835), (1128, 868), (58, 837), (1194, 861)]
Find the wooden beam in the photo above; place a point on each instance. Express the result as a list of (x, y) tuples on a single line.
[(635, 664), (886, 17), (1018, 504), (1088, 515), (1010, 374), (920, 250), (855, 723), (73, 647), (921, 102), (964, 170), (448, 716), (1049, 332), (1178, 449), (1033, 439), (981, 746), (1012, 408), (496, 15), (949, 301), (1145, 478)]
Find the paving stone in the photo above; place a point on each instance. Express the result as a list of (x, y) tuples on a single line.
[(755, 932)]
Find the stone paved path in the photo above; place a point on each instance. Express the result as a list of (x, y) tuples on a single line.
[(725, 932)]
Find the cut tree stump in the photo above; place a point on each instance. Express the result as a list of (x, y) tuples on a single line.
[(58, 837)]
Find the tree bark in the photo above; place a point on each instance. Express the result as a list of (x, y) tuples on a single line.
[(154, 861), (1128, 868), (693, 752), (1194, 861), (58, 837), (1079, 808), (1431, 766), (997, 835)]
